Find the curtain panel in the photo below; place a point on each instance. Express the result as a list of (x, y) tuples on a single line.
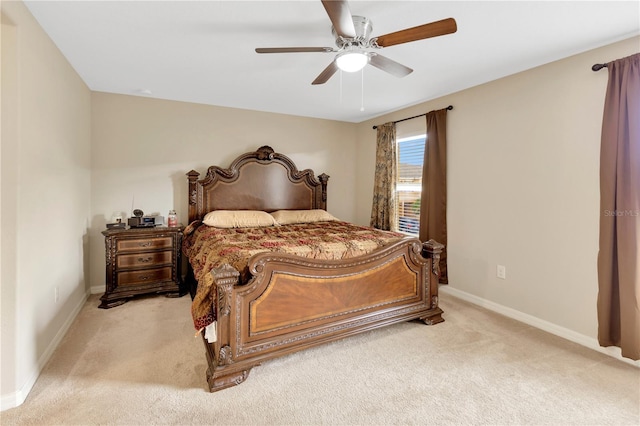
[(433, 204), (383, 211), (619, 256)]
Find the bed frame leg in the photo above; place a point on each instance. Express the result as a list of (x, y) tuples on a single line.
[(217, 377), (219, 381), (434, 317)]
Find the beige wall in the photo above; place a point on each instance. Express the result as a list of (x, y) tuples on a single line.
[(8, 206), (142, 148), (523, 189), (45, 198)]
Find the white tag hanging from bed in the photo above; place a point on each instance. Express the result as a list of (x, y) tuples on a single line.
[(210, 333)]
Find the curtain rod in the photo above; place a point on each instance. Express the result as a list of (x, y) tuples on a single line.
[(598, 67), (450, 107)]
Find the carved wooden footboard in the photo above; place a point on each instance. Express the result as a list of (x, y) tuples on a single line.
[(294, 303), (291, 303)]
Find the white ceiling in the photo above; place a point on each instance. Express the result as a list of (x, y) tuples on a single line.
[(203, 51)]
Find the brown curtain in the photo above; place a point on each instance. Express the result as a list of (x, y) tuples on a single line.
[(433, 204), (619, 256), (383, 211)]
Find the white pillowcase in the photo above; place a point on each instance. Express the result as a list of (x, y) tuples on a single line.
[(239, 219), (285, 217)]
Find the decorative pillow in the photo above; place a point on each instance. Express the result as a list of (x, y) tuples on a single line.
[(239, 219), (284, 217)]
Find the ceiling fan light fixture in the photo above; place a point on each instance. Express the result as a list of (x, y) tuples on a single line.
[(352, 60)]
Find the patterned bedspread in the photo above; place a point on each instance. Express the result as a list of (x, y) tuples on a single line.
[(208, 248)]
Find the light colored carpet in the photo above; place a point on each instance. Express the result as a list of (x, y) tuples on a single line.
[(139, 364)]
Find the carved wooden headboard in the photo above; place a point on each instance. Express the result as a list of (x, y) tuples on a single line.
[(260, 180)]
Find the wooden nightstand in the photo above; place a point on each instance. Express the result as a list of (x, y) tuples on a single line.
[(141, 261)]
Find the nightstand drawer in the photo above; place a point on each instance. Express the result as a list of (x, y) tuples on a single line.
[(148, 276), (144, 244), (144, 259)]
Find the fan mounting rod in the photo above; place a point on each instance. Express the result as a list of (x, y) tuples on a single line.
[(363, 27)]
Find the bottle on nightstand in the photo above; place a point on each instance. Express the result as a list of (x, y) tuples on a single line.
[(172, 219)]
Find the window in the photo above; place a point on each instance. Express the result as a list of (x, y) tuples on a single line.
[(409, 184)]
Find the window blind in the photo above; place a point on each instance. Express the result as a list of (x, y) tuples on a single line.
[(409, 183)]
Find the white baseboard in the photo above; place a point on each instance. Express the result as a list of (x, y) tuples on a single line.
[(9, 401), (96, 289), (536, 322), (16, 398)]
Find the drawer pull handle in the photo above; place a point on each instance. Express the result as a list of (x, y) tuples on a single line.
[(145, 244), (144, 259), (144, 277)]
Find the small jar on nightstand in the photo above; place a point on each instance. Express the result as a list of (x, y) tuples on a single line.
[(172, 219)]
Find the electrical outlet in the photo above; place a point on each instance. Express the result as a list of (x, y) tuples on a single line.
[(56, 294), (501, 272)]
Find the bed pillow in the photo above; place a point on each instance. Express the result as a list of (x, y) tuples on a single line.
[(239, 219), (285, 217)]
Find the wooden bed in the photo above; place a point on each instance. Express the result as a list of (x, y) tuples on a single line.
[(276, 312)]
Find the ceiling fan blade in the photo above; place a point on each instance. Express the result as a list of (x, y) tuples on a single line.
[(434, 29), (388, 65), (293, 49), (326, 74), (340, 15)]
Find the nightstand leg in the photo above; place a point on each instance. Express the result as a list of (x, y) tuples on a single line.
[(106, 304)]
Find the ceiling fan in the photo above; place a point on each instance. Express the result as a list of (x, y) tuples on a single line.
[(355, 49)]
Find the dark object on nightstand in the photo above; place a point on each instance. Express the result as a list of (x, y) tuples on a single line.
[(142, 261), (116, 225)]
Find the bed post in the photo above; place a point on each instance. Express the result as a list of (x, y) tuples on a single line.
[(193, 194), (324, 179), (221, 373), (431, 250)]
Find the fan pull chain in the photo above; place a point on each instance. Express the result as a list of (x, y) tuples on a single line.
[(362, 90)]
